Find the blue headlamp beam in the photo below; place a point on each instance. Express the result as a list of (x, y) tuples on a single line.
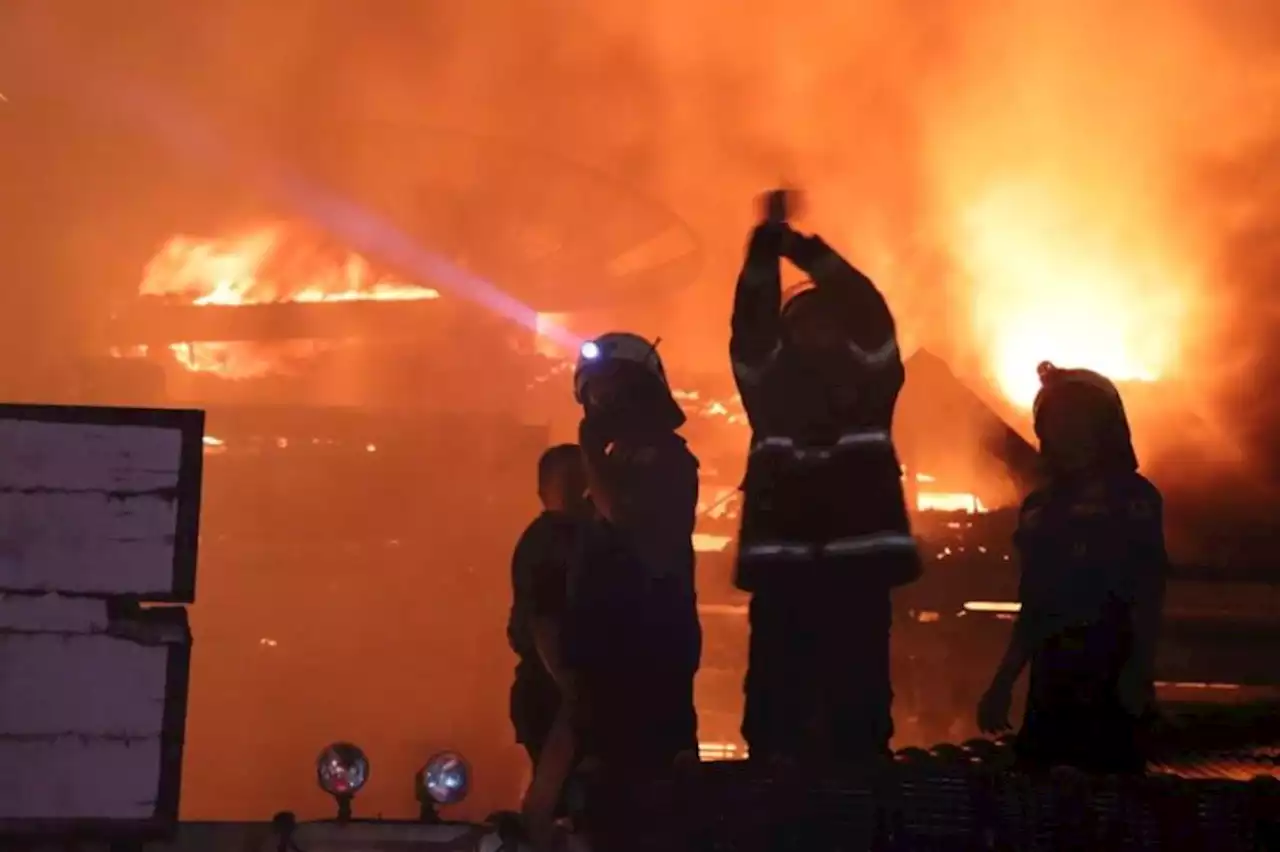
[(183, 131)]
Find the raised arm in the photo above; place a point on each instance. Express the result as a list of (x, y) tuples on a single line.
[(757, 306), (874, 336)]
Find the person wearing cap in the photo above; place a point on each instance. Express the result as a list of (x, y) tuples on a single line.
[(825, 534), (1093, 561)]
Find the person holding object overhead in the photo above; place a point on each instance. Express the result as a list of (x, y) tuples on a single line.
[(1093, 578), (825, 532)]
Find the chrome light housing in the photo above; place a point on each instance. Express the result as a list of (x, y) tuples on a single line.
[(342, 770), (445, 779)]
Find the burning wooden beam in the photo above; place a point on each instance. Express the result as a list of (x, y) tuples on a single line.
[(154, 322)]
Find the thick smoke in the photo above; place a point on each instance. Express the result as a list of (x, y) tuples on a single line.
[(1035, 166)]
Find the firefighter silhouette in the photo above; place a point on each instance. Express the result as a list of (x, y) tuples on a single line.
[(635, 640), (631, 639), (1093, 576), (825, 533)]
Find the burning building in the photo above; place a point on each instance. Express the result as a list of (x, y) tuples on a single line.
[(358, 475), (320, 367), (1027, 183)]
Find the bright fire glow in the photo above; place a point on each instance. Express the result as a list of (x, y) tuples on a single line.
[(946, 501), (268, 264), (1050, 285), (722, 751), (943, 501), (993, 606), (709, 543), (265, 265)]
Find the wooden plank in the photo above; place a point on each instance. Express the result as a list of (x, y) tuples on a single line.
[(84, 685), (92, 720), (53, 613), (100, 501), (79, 778)]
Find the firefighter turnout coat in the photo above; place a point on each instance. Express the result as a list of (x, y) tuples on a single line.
[(823, 495)]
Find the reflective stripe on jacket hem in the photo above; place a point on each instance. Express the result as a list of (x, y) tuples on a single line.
[(881, 542), (849, 440)]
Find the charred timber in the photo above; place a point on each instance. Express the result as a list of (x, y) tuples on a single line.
[(160, 324)]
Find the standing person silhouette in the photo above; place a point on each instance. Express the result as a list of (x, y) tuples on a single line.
[(825, 533), (632, 639), (539, 579), (1093, 577)]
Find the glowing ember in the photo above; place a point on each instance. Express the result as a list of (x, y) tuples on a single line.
[(710, 543), (722, 751), (247, 360), (269, 264), (993, 606), (944, 501)]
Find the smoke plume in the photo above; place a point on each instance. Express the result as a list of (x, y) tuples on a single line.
[(1077, 181)]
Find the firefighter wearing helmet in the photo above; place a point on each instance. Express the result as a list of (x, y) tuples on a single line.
[(632, 636), (825, 532), (1093, 561)]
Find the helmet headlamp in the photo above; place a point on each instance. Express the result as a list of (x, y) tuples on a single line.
[(615, 347)]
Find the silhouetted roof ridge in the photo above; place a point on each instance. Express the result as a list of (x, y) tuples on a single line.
[(932, 386)]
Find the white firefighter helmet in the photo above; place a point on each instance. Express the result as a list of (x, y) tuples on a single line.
[(612, 347)]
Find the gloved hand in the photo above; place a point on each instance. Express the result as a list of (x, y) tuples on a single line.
[(769, 241), (592, 436)]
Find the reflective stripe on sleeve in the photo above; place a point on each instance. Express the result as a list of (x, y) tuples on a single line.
[(849, 440), (877, 357), (752, 372)]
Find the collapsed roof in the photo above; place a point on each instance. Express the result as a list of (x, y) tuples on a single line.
[(946, 430)]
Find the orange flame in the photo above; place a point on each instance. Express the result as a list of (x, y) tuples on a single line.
[(269, 264), (1051, 288)]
